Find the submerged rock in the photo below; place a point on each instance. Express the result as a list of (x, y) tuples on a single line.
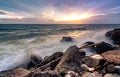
[(112, 56), (114, 35), (71, 61), (67, 39)]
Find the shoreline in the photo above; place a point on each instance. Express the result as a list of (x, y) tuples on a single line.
[(74, 62)]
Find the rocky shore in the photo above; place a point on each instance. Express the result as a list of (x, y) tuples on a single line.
[(74, 62)]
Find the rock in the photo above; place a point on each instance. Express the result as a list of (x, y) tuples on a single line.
[(34, 60), (117, 69), (114, 35), (67, 39), (49, 66), (71, 61), (112, 75), (84, 67), (110, 68), (112, 56), (89, 50), (89, 74), (71, 74), (17, 72), (98, 48), (50, 58), (103, 47), (91, 62), (44, 74)]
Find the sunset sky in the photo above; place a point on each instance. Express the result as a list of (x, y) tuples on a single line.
[(60, 11)]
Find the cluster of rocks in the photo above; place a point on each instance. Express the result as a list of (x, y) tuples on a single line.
[(75, 63)]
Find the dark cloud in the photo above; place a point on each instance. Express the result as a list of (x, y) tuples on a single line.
[(2, 12)]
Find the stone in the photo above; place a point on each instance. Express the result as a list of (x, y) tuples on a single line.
[(16, 72), (89, 74), (112, 56), (71, 61), (112, 75), (110, 68), (44, 74), (114, 35), (67, 39), (34, 60), (71, 74), (50, 58), (103, 47)]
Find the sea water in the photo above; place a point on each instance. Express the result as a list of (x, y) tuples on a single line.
[(19, 41)]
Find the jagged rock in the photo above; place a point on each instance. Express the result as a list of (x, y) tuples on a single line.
[(44, 74), (34, 60), (112, 56), (67, 39), (114, 35), (71, 61), (50, 58), (17, 72)]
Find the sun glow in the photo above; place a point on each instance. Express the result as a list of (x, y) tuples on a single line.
[(74, 17)]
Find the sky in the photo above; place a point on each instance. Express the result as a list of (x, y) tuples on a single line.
[(59, 11)]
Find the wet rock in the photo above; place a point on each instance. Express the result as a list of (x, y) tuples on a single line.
[(112, 56), (98, 48), (71, 61), (67, 39), (114, 35), (44, 74), (103, 47), (17, 72), (50, 58), (34, 60), (110, 68)]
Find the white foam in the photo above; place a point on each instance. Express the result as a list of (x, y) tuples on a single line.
[(19, 51)]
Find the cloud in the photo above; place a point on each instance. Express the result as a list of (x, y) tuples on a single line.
[(3, 12)]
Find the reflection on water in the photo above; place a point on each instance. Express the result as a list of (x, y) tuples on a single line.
[(78, 33)]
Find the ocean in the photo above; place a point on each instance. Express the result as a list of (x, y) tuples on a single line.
[(19, 41)]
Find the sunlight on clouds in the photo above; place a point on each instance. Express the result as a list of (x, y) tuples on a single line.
[(57, 16), (73, 17)]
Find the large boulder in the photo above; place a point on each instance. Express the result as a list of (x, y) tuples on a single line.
[(97, 48), (71, 61), (103, 47), (67, 39), (112, 56), (114, 35), (50, 58)]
